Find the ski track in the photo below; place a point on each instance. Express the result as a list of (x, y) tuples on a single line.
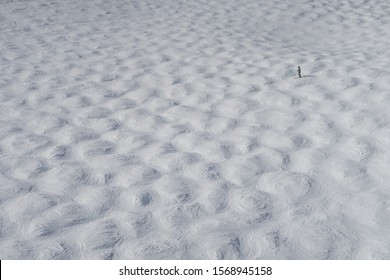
[(178, 130)]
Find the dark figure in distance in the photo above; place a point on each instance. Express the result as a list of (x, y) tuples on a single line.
[(299, 71)]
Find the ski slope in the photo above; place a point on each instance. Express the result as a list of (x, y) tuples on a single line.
[(178, 129)]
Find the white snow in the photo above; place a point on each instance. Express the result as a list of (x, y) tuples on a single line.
[(178, 129)]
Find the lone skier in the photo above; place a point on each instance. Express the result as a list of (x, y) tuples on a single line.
[(299, 71)]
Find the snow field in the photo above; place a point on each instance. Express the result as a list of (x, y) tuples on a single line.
[(179, 130)]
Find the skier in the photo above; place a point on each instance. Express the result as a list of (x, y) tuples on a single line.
[(299, 71)]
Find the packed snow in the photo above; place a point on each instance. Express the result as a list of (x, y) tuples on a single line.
[(179, 129)]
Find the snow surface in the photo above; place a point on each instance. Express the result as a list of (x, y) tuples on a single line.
[(178, 129)]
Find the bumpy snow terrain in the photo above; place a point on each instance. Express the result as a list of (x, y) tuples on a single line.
[(178, 129)]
